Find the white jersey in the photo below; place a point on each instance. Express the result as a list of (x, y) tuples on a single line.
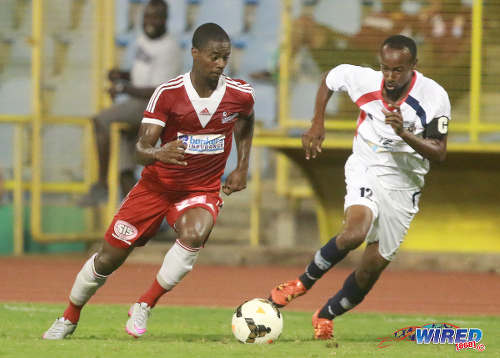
[(390, 158), (156, 61)]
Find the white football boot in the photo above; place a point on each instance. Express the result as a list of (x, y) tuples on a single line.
[(60, 329), (138, 319)]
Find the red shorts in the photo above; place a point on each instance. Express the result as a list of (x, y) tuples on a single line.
[(141, 213)]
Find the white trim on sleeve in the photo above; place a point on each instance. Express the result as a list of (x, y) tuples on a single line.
[(153, 121)]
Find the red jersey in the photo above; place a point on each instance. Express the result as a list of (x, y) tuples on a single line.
[(204, 124)]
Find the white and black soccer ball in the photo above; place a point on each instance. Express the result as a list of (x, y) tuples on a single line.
[(257, 321)]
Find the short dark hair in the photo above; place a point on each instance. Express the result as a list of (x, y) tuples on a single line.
[(209, 32), (159, 3), (400, 42)]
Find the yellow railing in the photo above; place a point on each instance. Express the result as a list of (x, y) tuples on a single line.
[(256, 188), (282, 164), (36, 119), (475, 64), (18, 190)]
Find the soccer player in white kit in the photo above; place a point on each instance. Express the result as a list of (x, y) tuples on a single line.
[(402, 125)]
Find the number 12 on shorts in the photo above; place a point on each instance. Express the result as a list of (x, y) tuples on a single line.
[(366, 192)]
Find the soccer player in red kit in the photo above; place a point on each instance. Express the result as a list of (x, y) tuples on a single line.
[(194, 116)]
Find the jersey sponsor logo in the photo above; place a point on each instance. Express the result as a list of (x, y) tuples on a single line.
[(124, 231), (203, 143), (228, 117)]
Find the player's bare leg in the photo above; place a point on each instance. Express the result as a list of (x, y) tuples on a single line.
[(193, 227), (109, 258), (371, 266), (357, 223), (93, 275), (355, 288)]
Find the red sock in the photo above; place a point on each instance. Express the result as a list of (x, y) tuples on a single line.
[(152, 295), (72, 312)]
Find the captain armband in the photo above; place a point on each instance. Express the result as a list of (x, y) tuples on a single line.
[(437, 128)]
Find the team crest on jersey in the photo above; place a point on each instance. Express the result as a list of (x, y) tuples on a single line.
[(203, 143), (124, 231), (228, 117)]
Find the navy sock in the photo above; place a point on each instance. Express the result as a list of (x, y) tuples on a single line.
[(324, 259), (348, 297)]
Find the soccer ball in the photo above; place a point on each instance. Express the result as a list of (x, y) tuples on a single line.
[(257, 321)]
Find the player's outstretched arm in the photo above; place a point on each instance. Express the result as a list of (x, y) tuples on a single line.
[(146, 153), (315, 135), (433, 146), (243, 134)]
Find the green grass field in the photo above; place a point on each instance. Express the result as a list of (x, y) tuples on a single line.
[(206, 332)]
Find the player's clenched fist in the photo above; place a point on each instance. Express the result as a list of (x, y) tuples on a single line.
[(172, 153), (312, 140), (394, 118), (235, 181)]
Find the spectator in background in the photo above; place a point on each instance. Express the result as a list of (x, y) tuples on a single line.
[(157, 59)]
